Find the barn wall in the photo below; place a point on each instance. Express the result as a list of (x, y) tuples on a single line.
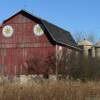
[(23, 45)]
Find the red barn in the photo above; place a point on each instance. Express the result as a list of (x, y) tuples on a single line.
[(25, 36)]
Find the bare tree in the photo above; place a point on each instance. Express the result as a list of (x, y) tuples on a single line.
[(83, 35)]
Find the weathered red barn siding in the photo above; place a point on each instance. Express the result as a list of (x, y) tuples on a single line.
[(23, 44)]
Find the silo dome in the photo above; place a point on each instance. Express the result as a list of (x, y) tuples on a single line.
[(84, 43)]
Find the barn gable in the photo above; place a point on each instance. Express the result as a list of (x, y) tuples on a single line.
[(57, 34), (23, 30), (22, 17)]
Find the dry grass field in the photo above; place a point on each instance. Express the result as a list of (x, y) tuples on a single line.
[(50, 90)]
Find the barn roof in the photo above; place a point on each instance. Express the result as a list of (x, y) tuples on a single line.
[(58, 34)]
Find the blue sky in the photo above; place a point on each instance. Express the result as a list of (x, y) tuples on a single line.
[(75, 16)]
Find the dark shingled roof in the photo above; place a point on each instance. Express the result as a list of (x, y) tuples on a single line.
[(58, 34)]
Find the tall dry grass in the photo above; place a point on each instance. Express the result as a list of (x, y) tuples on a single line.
[(51, 90)]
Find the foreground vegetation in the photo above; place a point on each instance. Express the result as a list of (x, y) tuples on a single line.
[(50, 90)]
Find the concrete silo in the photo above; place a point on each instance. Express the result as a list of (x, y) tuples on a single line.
[(86, 46), (97, 49)]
